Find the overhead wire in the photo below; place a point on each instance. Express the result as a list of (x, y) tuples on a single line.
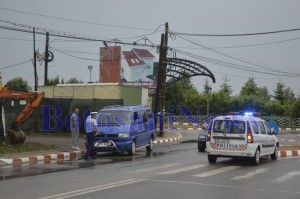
[(237, 34), (231, 65), (242, 46), (73, 20), (4, 67), (235, 58)]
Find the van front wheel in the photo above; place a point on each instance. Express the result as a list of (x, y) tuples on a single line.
[(150, 146), (131, 151)]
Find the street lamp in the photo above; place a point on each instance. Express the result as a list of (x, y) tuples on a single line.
[(90, 68)]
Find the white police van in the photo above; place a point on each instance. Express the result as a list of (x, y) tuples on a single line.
[(241, 135), (125, 129)]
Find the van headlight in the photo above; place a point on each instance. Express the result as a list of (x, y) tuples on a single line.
[(123, 135)]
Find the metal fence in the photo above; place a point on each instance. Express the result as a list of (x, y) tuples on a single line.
[(281, 121)]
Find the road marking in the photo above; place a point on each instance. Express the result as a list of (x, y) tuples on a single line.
[(216, 171), (152, 168), (286, 177), (183, 169), (248, 188), (251, 174), (79, 192)]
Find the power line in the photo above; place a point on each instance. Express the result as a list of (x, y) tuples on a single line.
[(16, 64), (64, 35), (236, 35), (235, 66), (244, 46), (72, 20), (232, 57)]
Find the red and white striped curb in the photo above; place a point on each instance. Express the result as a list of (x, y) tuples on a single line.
[(176, 139), (198, 128), (289, 153), (44, 159)]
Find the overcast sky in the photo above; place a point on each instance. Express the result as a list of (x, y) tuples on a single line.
[(269, 58)]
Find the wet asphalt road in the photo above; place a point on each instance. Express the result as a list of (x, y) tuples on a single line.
[(188, 143)]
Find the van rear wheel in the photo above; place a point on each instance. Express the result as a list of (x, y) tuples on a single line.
[(212, 159), (255, 159)]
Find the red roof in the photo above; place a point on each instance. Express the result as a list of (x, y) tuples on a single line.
[(132, 59), (143, 53)]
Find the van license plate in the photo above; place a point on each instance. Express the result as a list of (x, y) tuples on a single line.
[(222, 141)]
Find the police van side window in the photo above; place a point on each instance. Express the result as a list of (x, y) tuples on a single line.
[(254, 126), (268, 130), (261, 127)]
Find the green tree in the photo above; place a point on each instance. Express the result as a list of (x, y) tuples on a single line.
[(225, 87), (263, 94), (182, 92), (219, 102), (74, 80), (250, 88), (295, 109), (53, 81), (289, 95), (18, 82), (207, 87), (279, 94), (248, 103)]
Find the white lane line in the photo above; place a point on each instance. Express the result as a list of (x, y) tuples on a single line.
[(251, 174), (216, 171), (248, 188), (286, 177), (91, 189), (183, 169), (152, 168)]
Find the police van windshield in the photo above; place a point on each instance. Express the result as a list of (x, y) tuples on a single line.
[(114, 117), (229, 126)]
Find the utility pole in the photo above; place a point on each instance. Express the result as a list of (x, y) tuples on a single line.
[(163, 83), (46, 59), (34, 62), (159, 80)]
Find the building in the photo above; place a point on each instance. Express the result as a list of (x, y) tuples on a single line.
[(135, 65)]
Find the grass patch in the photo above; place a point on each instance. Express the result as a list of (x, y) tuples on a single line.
[(26, 147), (283, 148)]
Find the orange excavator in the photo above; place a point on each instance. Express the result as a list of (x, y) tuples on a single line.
[(33, 100)]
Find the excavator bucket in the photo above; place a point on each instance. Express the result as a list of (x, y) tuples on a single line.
[(16, 136)]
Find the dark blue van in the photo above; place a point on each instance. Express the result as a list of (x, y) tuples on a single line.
[(125, 129)]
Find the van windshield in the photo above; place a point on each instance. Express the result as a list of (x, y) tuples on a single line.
[(229, 126), (114, 118)]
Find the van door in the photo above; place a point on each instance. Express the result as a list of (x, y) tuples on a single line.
[(263, 139), (137, 129), (229, 135), (145, 125), (271, 138)]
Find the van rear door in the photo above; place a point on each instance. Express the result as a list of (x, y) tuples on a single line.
[(229, 134)]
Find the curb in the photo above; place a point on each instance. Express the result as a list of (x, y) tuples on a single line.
[(43, 159), (176, 139), (288, 153), (185, 126), (72, 155)]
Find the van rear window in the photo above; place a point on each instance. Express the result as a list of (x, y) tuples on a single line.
[(229, 126)]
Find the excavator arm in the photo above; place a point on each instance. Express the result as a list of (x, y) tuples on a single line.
[(15, 134)]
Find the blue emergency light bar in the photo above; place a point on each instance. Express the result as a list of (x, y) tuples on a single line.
[(245, 113)]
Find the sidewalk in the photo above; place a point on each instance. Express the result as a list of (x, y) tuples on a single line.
[(63, 152)]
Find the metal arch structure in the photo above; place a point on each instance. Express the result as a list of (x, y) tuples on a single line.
[(178, 69)]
